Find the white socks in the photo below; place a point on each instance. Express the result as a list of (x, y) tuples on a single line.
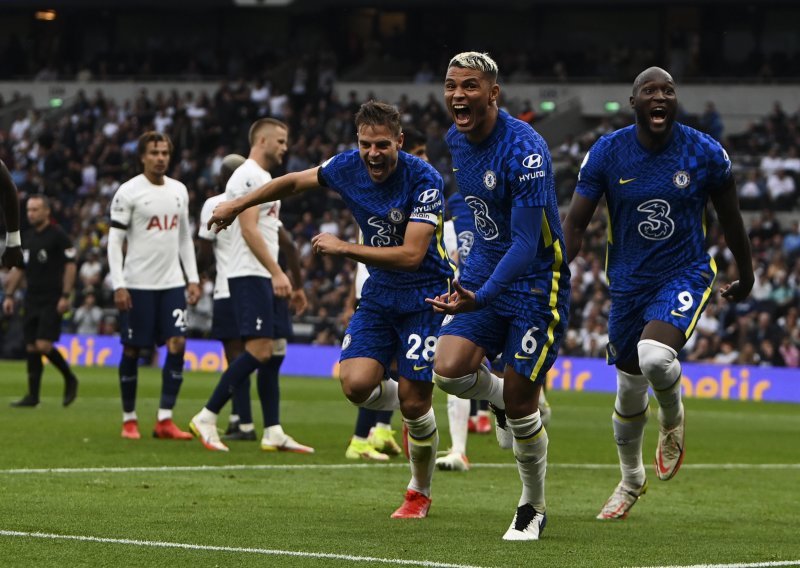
[(458, 417), (530, 450), (423, 441)]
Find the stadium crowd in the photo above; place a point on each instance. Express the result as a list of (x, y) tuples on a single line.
[(79, 155)]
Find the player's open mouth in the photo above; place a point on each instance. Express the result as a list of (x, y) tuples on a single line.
[(461, 114), (376, 168), (658, 115)]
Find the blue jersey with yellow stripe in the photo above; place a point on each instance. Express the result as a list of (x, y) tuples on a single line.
[(656, 203), (510, 168), (412, 194)]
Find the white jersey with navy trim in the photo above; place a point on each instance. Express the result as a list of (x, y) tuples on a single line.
[(156, 218), (247, 178)]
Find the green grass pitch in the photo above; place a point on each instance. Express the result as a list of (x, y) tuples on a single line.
[(317, 514)]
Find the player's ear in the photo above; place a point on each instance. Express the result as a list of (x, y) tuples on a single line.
[(631, 100), (494, 94)]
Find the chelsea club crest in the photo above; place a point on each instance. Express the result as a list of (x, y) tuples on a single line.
[(681, 179), (396, 216), (490, 180)]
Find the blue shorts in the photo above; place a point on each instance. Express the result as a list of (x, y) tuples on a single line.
[(156, 316), (223, 323), (383, 330), (524, 330), (678, 302), (253, 310), (282, 319)]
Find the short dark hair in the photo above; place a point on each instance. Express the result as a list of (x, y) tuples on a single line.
[(413, 138), (376, 113), (261, 123), (152, 136), (43, 198)]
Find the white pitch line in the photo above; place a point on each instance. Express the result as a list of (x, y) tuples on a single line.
[(322, 467), (738, 565), (264, 551)]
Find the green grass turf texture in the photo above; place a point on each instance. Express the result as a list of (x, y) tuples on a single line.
[(704, 515)]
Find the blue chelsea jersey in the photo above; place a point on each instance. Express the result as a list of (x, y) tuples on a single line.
[(412, 194), (656, 202), (511, 168)]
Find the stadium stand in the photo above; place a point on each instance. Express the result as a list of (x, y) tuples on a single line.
[(79, 149)]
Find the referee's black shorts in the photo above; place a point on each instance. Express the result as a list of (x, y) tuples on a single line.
[(42, 320)]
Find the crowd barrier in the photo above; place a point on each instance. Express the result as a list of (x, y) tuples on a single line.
[(726, 382)]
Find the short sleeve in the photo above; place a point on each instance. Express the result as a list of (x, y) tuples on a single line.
[(65, 244), (330, 172), (719, 165), (121, 208), (591, 178)]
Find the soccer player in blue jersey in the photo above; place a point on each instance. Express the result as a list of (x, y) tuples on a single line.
[(657, 177), (373, 437), (513, 294), (398, 203)]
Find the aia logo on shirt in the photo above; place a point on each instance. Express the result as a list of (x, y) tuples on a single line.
[(163, 222)]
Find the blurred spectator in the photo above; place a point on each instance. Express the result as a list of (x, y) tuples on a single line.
[(781, 190), (88, 316), (711, 121)]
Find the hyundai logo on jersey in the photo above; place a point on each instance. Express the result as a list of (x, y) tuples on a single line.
[(533, 162)]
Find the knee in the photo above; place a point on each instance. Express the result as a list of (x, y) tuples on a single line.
[(43, 346), (655, 358), (260, 348), (176, 345), (414, 408), (131, 352), (355, 390)]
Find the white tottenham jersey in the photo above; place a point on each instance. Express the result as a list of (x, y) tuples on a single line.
[(222, 246), (157, 221), (242, 262)]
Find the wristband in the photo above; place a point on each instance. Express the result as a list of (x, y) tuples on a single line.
[(13, 239)]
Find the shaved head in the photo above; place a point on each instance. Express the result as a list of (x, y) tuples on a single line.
[(649, 74)]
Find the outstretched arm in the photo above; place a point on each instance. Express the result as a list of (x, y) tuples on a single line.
[(278, 188), (726, 204)]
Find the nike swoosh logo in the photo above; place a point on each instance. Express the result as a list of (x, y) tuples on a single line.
[(418, 368), (664, 470), (522, 357), (624, 181), (455, 170), (677, 314)]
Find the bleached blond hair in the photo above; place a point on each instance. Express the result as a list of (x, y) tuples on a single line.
[(475, 60)]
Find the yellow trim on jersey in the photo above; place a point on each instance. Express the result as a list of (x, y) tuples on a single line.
[(703, 220), (706, 294), (557, 262), (609, 242)]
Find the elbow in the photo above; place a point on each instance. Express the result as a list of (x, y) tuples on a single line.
[(412, 262)]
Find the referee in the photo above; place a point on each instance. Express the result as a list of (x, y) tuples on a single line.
[(50, 274)]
